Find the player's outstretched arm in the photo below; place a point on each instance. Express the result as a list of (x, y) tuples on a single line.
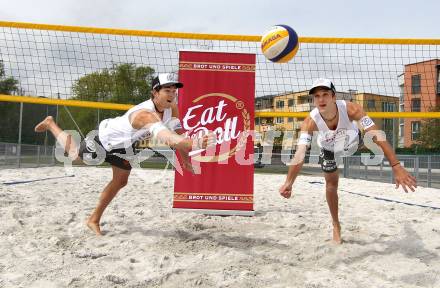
[(151, 122), (401, 176), (304, 141)]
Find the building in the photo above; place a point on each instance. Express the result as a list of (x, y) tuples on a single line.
[(420, 92), (303, 102)]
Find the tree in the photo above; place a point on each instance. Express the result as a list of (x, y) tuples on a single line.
[(8, 110), (430, 132), (124, 83), (8, 85), (278, 141), (32, 114)]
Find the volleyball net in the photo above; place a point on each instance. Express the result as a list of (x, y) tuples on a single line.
[(390, 78)]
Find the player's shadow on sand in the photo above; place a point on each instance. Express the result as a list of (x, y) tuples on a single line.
[(236, 242), (198, 240), (410, 245)]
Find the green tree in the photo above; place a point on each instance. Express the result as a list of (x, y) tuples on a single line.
[(8, 85), (278, 141), (430, 132), (8, 110), (124, 83), (32, 114)]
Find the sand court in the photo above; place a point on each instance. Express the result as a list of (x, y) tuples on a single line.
[(45, 243)]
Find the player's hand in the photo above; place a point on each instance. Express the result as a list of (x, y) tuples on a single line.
[(194, 169), (403, 178), (286, 190), (208, 140)]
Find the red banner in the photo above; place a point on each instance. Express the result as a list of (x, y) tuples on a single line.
[(218, 96)]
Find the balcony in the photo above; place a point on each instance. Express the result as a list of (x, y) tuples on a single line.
[(305, 107), (265, 110)]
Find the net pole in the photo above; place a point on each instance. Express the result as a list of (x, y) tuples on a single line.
[(19, 135)]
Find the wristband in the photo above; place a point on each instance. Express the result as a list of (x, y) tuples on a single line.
[(397, 163)]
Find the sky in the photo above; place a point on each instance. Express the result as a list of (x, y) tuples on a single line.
[(33, 64), (319, 18)]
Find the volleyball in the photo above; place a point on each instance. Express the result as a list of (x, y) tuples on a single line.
[(280, 44)]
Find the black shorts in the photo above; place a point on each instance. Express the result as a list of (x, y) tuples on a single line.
[(327, 158), (87, 149), (327, 161)]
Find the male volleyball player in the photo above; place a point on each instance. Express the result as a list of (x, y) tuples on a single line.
[(117, 136), (333, 121)]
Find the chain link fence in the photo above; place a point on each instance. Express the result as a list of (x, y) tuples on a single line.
[(426, 168), (27, 156)]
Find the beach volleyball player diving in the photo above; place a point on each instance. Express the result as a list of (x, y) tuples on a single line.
[(334, 122), (156, 117)]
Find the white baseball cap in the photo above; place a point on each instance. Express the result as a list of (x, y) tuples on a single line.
[(166, 79), (324, 83)]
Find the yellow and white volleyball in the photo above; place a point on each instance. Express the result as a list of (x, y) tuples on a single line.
[(280, 44)]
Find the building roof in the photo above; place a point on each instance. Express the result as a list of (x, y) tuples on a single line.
[(433, 60)]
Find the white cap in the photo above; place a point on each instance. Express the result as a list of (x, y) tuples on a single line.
[(322, 82), (166, 79)]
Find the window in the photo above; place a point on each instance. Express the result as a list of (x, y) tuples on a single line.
[(388, 124), (263, 104), (257, 121), (438, 79), (401, 134), (415, 130), (290, 119), (415, 105), (371, 104), (291, 102), (388, 107), (416, 84), (402, 93), (280, 104), (279, 120), (388, 129)]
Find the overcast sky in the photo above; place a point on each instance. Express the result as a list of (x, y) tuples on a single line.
[(373, 18)]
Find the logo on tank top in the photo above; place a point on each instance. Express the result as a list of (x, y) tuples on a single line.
[(332, 136), (366, 121), (340, 140)]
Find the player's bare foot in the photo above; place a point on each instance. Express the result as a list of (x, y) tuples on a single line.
[(44, 125), (337, 233), (94, 227)]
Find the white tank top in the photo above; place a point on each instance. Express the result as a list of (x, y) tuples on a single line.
[(346, 132), (116, 133)]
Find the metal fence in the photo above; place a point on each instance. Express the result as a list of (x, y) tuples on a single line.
[(426, 168), (16, 156)]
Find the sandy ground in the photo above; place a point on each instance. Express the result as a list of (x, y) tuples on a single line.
[(44, 242)]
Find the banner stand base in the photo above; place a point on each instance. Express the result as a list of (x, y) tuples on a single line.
[(217, 212)]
